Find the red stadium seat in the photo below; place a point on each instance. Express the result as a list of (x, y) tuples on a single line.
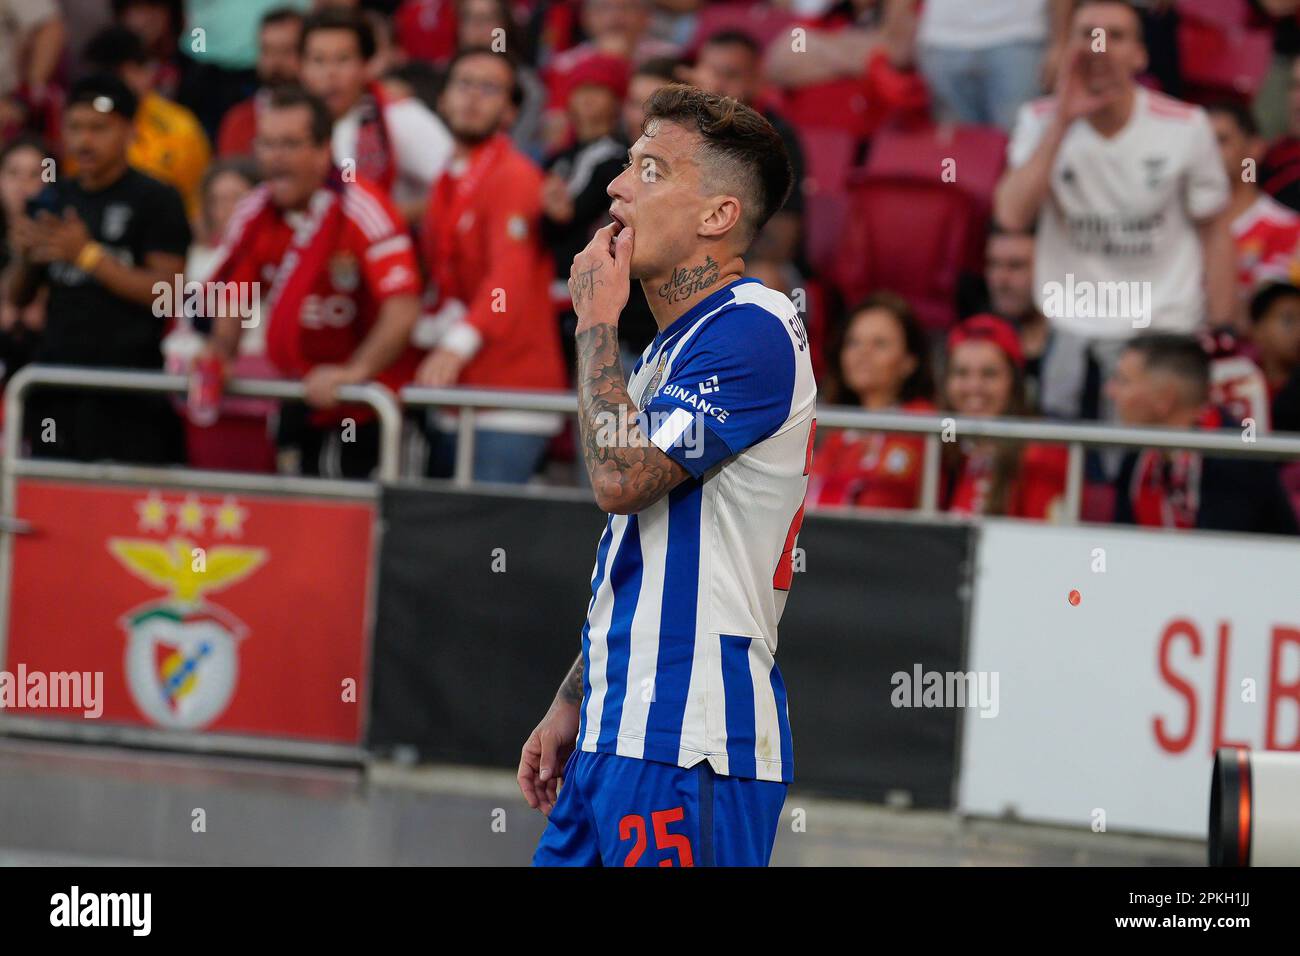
[(828, 158), (1220, 63), (1225, 14), (978, 152), (760, 20), (911, 237)]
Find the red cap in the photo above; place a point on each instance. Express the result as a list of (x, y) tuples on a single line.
[(992, 329), (599, 69)]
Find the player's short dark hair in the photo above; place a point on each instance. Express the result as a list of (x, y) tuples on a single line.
[(738, 144), (280, 15), (464, 53), (734, 37), (292, 95), (1262, 302), (338, 18), (1239, 113), (1180, 355), (89, 90), (113, 47), (663, 67)]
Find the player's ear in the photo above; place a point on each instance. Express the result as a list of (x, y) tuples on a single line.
[(721, 216)]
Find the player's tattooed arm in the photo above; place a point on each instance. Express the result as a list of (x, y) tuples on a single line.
[(627, 472), (570, 691)]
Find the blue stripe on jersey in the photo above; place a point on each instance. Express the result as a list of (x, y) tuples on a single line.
[(663, 735), (783, 726), (625, 579), (738, 689), (597, 580)]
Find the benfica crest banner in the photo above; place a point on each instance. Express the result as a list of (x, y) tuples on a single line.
[(204, 611)]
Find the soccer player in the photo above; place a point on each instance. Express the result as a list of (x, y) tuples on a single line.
[(675, 706), (338, 279)]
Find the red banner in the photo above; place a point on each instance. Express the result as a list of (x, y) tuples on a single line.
[(203, 610)]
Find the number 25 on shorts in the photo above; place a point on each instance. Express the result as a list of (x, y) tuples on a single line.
[(634, 824)]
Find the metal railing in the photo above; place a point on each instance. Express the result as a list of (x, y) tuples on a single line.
[(127, 380), (470, 401), (1077, 436)]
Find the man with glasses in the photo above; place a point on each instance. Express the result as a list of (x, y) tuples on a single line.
[(493, 323), (335, 272)]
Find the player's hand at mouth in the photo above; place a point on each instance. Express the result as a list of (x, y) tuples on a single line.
[(599, 279), (545, 753)]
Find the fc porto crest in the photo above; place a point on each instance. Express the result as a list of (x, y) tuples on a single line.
[(657, 379)]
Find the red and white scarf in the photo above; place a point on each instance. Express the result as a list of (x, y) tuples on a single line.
[(375, 160), (1166, 485), (298, 271)]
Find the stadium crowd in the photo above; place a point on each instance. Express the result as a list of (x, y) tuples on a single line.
[(1068, 209)]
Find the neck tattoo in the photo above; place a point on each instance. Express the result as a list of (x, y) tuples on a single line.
[(685, 282)]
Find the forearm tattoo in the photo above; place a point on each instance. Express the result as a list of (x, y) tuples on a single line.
[(619, 457), (571, 689), (685, 282)]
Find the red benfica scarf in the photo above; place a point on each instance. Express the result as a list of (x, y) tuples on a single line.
[(299, 269), (1166, 485), (374, 145), (451, 199)]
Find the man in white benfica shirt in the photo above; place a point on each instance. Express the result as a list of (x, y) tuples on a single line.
[(675, 706), (1130, 199)]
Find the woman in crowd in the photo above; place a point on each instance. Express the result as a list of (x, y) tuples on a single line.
[(985, 379), (882, 364), (22, 175)]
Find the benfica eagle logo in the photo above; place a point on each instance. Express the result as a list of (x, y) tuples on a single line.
[(181, 654)]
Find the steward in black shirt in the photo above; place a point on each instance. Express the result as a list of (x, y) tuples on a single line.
[(100, 243)]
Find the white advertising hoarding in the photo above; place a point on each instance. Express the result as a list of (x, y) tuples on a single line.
[(1111, 708)]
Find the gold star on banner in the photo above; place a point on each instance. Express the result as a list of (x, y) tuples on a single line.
[(231, 518), (190, 515), (153, 512)]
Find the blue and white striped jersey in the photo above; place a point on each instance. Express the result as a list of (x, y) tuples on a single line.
[(686, 595)]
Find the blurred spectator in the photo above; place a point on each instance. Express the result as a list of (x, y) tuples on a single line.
[(882, 364), (1266, 233), (169, 144), (32, 36), (493, 323), (23, 174), (157, 23), (225, 184), (729, 63), (426, 29), (574, 201), (278, 63), (613, 28), (985, 379), (400, 146), (490, 23), (984, 60), (1009, 277), (1279, 172), (1130, 198), (1162, 379), (1275, 333), (219, 39), (839, 44), (100, 241), (337, 275), (1271, 106)]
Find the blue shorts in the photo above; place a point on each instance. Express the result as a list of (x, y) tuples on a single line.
[(620, 811)]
